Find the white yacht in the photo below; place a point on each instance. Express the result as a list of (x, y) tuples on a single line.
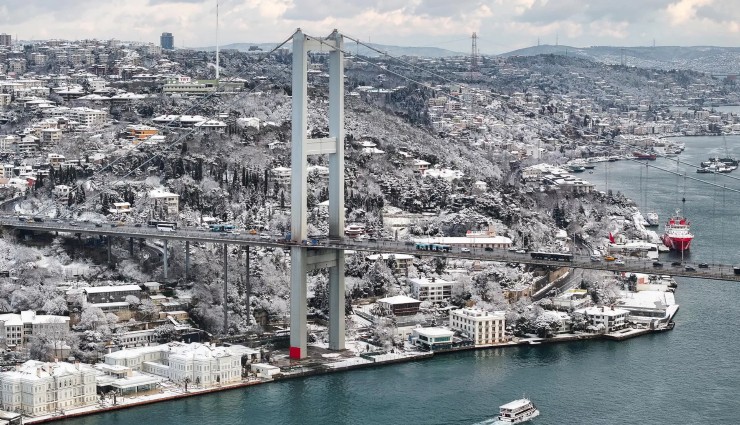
[(517, 411)]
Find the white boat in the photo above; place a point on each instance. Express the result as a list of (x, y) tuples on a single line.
[(652, 218), (517, 411)]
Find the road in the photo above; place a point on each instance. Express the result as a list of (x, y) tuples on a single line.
[(714, 271)]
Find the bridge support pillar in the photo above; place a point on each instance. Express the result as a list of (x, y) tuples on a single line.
[(298, 328), (226, 288), (164, 260), (301, 148), (248, 290), (187, 260), (131, 246), (109, 249)]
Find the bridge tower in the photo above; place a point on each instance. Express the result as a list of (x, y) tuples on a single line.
[(302, 259)]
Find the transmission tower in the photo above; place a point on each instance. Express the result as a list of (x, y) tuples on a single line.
[(474, 55)]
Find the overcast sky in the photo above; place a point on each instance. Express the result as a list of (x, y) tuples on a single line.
[(502, 25)]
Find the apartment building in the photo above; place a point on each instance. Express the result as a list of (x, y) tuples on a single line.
[(483, 327)]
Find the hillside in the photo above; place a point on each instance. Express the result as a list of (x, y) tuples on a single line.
[(710, 59)]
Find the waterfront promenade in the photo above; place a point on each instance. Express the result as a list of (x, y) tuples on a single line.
[(315, 364)]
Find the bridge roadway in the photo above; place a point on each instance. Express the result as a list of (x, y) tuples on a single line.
[(635, 265)]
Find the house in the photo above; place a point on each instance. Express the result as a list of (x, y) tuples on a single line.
[(420, 166), (400, 305), (400, 261), (37, 388), (433, 289), (281, 175), (61, 191), (120, 208), (483, 327), (608, 319), (166, 202), (16, 329), (432, 338)]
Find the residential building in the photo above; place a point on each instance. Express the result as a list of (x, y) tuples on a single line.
[(400, 305), (98, 296), (141, 132), (17, 329), (607, 319), (61, 191), (281, 175), (167, 41), (51, 135), (36, 388), (432, 338), (483, 327), (165, 202), (433, 289), (120, 208), (400, 262), (201, 364), (6, 39)]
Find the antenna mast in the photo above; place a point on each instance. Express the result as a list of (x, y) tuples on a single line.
[(217, 67)]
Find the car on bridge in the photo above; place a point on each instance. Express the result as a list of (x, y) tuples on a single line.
[(676, 264), (464, 249), (657, 264), (610, 258), (618, 262), (689, 268), (703, 265)]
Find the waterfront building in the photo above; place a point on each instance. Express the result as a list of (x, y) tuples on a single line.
[(609, 319), (482, 239), (432, 338), (199, 364), (433, 289), (37, 388), (17, 329), (483, 327)]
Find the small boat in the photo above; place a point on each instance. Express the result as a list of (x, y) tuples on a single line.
[(652, 219), (517, 411), (573, 168)]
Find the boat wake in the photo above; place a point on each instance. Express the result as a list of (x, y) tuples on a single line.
[(492, 421)]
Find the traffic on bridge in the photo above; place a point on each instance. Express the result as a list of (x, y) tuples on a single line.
[(221, 236)]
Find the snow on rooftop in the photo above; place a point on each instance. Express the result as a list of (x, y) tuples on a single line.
[(398, 299)]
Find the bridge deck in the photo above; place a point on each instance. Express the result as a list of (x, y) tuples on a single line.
[(714, 271)]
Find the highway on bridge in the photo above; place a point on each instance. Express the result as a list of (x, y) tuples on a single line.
[(634, 265)]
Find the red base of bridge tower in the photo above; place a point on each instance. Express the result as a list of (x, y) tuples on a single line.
[(295, 353)]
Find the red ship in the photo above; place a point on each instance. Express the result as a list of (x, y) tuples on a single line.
[(677, 235), (648, 156)]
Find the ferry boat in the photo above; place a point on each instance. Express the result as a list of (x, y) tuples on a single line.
[(677, 235), (517, 411)]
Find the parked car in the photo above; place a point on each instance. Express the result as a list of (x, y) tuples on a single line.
[(610, 258), (137, 225)]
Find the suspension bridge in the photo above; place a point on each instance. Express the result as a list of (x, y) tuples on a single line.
[(329, 252)]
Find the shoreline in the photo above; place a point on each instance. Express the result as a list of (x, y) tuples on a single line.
[(325, 369)]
